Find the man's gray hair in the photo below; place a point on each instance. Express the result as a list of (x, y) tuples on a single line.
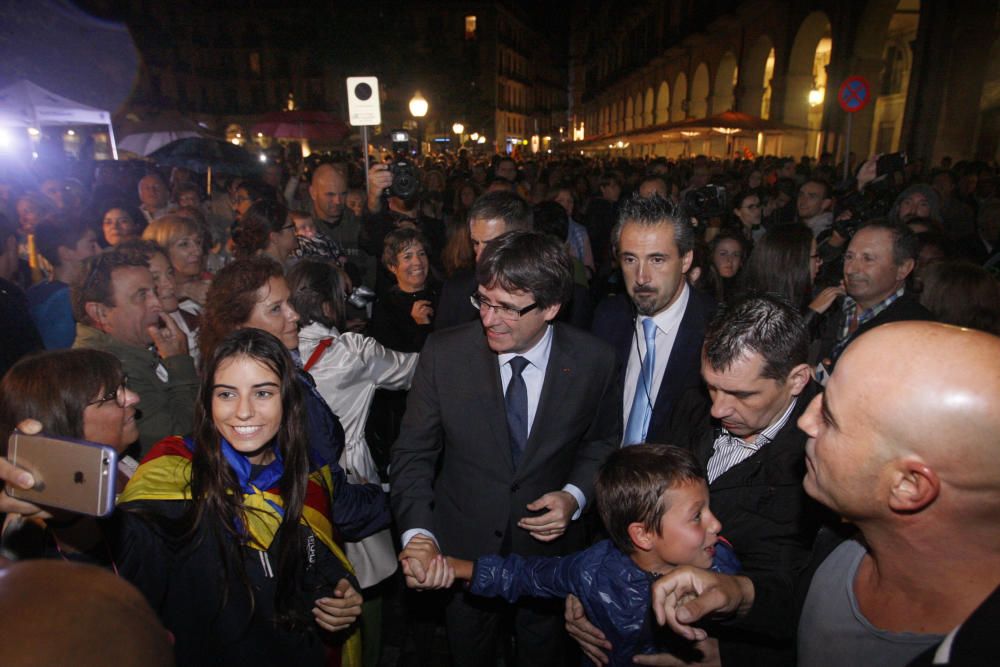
[(653, 211)]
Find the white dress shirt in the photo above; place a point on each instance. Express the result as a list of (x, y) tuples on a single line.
[(667, 324)]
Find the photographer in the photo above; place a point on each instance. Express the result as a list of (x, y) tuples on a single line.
[(401, 191)]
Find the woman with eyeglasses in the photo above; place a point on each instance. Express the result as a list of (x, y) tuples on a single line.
[(81, 394), (266, 229), (747, 214)]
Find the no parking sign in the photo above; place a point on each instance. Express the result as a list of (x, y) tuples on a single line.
[(855, 94)]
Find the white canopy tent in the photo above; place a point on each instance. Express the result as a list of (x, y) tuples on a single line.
[(24, 104)]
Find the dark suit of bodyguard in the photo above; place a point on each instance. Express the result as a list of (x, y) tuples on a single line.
[(511, 412)]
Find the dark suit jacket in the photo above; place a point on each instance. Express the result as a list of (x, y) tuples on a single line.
[(766, 515), (906, 307), (614, 322), (455, 420)]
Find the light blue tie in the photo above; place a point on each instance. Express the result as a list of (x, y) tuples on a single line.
[(642, 402)]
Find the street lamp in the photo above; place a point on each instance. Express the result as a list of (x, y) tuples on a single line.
[(458, 128), (474, 136), (418, 109)]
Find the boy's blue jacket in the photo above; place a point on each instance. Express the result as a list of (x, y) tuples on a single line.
[(615, 593)]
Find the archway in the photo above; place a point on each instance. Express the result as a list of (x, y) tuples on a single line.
[(647, 108), (698, 106), (726, 75), (677, 103), (637, 109), (629, 111), (807, 65), (755, 77), (663, 103)]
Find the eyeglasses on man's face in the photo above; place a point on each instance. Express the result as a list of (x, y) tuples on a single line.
[(504, 312), (118, 394)]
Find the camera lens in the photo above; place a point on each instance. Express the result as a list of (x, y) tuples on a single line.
[(363, 91)]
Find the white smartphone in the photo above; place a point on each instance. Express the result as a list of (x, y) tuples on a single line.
[(74, 475)]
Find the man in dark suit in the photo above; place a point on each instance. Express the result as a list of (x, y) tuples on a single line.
[(654, 244), (744, 432), (507, 422), (491, 215)]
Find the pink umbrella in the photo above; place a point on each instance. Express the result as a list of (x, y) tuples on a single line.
[(312, 125)]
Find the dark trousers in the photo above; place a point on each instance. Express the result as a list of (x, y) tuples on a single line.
[(478, 629)]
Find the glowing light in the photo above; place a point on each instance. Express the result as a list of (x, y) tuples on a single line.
[(816, 96), (236, 142), (458, 128), (725, 130), (690, 134), (71, 132), (33, 131), (5, 138), (481, 140), (263, 158), (474, 136), (34, 154), (260, 134), (418, 105), (239, 136)]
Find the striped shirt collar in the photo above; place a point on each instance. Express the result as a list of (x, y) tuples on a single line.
[(764, 437)]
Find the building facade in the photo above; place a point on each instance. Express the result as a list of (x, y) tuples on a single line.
[(931, 65)]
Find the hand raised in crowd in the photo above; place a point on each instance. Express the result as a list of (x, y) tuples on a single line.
[(422, 311), (592, 641), (340, 611), (417, 558), (868, 171), (561, 506), (379, 178), (688, 594), (826, 298), (170, 341), (11, 475)]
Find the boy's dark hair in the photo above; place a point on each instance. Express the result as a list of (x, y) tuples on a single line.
[(630, 486)]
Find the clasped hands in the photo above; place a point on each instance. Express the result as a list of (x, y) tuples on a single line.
[(425, 568)]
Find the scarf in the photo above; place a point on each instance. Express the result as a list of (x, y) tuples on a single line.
[(165, 474)]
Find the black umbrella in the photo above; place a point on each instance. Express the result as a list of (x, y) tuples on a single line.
[(200, 153)]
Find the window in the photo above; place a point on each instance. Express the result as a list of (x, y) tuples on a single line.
[(470, 27)]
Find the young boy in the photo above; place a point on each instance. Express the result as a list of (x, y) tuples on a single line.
[(653, 500)]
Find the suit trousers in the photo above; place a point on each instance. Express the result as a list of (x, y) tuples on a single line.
[(479, 629)]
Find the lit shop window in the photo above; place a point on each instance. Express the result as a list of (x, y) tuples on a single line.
[(470, 27)]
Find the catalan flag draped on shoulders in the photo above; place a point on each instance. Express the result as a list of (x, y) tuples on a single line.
[(163, 480)]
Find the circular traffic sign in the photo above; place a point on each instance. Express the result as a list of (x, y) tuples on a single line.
[(854, 94)]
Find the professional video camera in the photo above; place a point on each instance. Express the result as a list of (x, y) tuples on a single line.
[(706, 203), (405, 180)]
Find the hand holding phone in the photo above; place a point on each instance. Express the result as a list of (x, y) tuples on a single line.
[(73, 475)]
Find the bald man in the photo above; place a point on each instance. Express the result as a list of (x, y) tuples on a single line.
[(328, 191), (61, 613), (904, 445)]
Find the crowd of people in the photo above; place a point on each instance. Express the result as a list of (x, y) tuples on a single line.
[(676, 412)]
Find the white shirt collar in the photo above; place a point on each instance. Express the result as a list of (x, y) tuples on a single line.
[(537, 356), (670, 318)]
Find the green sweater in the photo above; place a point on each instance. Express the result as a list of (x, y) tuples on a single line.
[(166, 407)]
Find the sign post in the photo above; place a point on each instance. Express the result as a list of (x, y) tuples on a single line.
[(854, 95)]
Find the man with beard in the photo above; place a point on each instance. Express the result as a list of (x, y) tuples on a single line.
[(658, 329)]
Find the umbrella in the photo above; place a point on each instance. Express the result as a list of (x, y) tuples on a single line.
[(312, 125), (142, 137), (201, 154)]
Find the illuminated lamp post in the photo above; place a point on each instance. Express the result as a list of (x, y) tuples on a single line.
[(418, 109)]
